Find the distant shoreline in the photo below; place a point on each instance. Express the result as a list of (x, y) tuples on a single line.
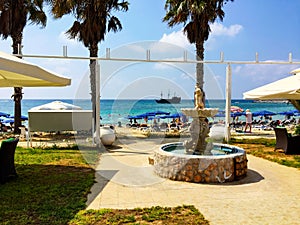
[(112, 99)]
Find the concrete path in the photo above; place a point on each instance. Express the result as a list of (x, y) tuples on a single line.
[(270, 194)]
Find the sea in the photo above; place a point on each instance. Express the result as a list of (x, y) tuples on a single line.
[(116, 111)]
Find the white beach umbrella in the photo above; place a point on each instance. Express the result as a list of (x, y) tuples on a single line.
[(295, 71), (286, 88), (16, 72), (56, 105)]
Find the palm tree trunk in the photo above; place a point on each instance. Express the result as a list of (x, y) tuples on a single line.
[(18, 95), (200, 68), (296, 104)]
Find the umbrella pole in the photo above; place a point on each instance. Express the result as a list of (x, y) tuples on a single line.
[(228, 103)]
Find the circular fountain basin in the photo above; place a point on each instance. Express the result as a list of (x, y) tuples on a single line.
[(226, 163)]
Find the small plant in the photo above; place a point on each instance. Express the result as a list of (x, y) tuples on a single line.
[(297, 130), (154, 215)]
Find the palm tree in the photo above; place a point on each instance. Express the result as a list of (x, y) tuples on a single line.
[(14, 15), (93, 20), (196, 15), (296, 104)]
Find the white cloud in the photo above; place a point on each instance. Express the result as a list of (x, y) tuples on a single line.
[(66, 41), (176, 38), (134, 48), (237, 69), (264, 73), (218, 29)]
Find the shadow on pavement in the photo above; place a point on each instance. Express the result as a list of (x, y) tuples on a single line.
[(252, 177)]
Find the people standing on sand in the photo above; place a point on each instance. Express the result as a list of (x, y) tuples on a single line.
[(248, 120)]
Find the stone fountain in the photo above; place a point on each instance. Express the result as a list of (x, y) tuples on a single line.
[(199, 127), (196, 161)]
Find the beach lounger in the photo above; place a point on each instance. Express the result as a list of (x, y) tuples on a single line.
[(289, 144), (7, 159)]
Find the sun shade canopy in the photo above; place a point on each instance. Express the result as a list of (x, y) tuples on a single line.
[(287, 88), (56, 105), (16, 72)]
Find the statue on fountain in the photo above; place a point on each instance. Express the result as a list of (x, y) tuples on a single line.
[(199, 127), (198, 97)]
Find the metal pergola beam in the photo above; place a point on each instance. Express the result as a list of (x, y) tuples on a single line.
[(184, 60), (148, 59)]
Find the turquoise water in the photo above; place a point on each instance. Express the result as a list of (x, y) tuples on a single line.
[(113, 111), (178, 148)]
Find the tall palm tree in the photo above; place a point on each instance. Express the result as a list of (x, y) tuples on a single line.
[(196, 15), (93, 20), (296, 103), (14, 15)]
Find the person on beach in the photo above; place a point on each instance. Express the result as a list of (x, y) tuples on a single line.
[(248, 120)]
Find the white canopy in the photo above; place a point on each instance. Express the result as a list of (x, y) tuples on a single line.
[(56, 105), (16, 72), (286, 88)]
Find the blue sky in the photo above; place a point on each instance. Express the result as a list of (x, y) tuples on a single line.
[(269, 27)]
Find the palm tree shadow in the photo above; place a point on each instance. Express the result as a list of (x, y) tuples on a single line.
[(50, 189), (100, 183)]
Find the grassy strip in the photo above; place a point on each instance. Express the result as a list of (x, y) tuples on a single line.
[(264, 148), (260, 141), (51, 188), (154, 215)]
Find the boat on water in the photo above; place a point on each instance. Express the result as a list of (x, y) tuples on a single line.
[(173, 100)]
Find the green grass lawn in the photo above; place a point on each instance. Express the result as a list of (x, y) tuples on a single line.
[(51, 188), (264, 148)]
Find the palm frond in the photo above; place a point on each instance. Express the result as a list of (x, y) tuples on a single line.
[(114, 24)]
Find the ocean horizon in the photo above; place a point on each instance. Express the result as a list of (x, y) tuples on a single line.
[(113, 111)]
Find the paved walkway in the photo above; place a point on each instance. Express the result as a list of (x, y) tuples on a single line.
[(270, 194)]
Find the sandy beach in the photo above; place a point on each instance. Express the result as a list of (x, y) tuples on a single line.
[(69, 138)]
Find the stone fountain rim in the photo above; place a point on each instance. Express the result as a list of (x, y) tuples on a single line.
[(239, 153), (206, 112), (204, 109)]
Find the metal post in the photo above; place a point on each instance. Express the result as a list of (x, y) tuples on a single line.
[(97, 124), (65, 51), (148, 55), (228, 103), (290, 57), (185, 56), (20, 49), (108, 53), (221, 56)]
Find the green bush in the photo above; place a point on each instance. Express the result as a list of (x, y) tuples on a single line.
[(297, 130)]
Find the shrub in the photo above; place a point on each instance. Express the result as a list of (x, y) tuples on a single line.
[(297, 130)]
